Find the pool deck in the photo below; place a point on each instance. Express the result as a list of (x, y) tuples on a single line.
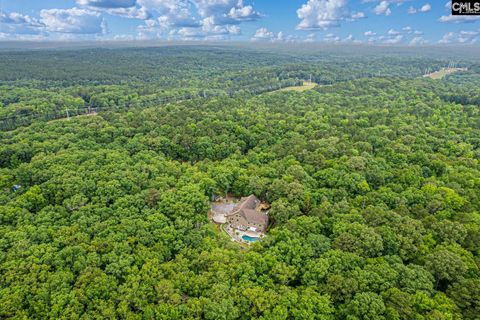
[(237, 235)]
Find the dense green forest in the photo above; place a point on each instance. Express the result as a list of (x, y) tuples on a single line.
[(373, 179), (35, 86)]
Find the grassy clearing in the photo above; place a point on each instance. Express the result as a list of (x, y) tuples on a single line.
[(307, 85), (437, 75)]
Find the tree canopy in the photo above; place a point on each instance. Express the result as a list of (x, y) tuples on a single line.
[(373, 181)]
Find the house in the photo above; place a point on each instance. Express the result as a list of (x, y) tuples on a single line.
[(246, 217)]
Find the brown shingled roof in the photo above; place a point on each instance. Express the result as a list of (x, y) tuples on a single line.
[(247, 208), (249, 202), (255, 216)]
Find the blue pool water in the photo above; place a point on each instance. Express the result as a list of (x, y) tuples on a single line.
[(249, 239)]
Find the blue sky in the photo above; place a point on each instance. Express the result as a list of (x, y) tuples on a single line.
[(412, 22)]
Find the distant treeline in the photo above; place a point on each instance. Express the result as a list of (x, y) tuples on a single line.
[(52, 84)]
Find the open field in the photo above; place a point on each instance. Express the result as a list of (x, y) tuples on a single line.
[(443, 72), (307, 85)]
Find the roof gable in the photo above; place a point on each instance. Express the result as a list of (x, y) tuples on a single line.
[(250, 202), (247, 209)]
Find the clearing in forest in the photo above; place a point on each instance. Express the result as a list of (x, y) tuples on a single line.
[(443, 72), (307, 85), (246, 220)]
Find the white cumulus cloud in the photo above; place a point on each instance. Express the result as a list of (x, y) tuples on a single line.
[(194, 19), (462, 37), (263, 34), (393, 32), (358, 15), (458, 19), (406, 35), (383, 8), (201, 19), (425, 8), (323, 14), (15, 23), (131, 12), (108, 3), (226, 11), (74, 20)]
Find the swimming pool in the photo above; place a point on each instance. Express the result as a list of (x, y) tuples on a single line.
[(249, 239)]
